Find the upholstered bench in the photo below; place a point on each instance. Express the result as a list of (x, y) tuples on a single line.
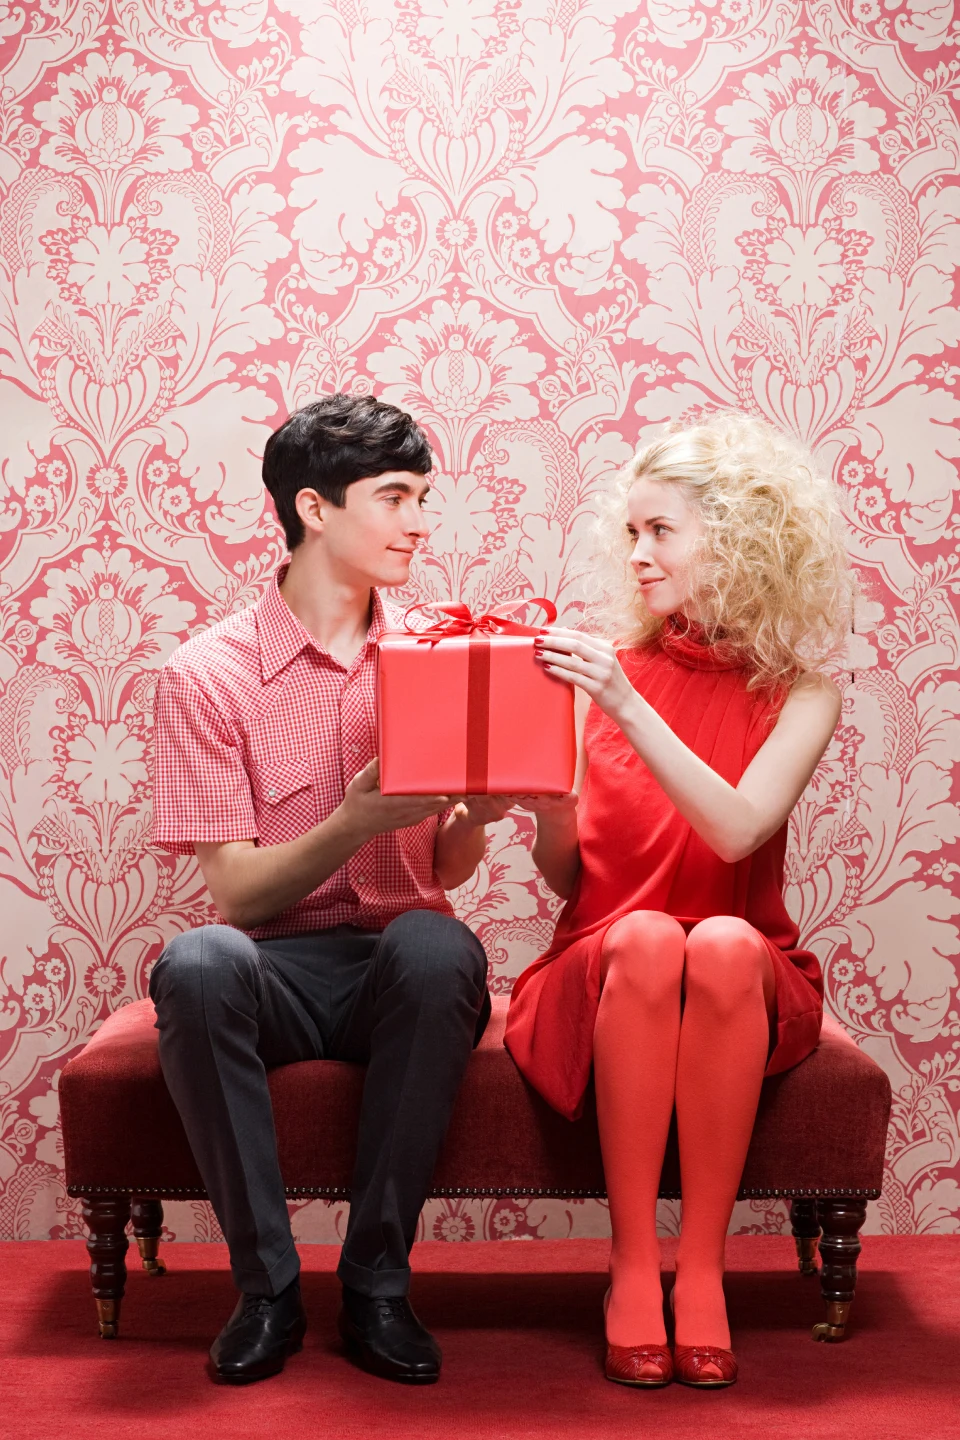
[(819, 1140)]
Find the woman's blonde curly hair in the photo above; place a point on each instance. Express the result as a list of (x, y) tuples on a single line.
[(773, 582)]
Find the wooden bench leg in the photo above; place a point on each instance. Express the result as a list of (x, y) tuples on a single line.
[(841, 1218), (147, 1219), (106, 1217), (806, 1233)]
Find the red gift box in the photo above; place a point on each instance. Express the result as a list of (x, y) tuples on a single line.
[(463, 708)]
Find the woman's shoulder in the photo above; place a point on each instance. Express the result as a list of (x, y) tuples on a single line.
[(816, 682), (813, 690)]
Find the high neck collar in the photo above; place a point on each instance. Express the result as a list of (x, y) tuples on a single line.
[(685, 641)]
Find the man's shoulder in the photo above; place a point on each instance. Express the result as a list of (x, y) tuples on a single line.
[(392, 613), (226, 652)]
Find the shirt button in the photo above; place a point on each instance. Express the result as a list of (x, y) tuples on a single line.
[(272, 793), (354, 749), (361, 879)]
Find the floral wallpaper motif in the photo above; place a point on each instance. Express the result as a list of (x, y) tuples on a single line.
[(544, 226)]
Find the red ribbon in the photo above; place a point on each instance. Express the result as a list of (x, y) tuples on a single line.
[(457, 619)]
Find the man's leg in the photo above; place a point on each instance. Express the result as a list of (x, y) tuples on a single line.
[(223, 1015), (419, 1010), (415, 1022)]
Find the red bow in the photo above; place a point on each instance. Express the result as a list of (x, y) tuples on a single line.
[(457, 619)]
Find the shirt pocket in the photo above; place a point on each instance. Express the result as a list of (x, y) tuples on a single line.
[(286, 801)]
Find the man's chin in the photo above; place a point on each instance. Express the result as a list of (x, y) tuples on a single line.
[(391, 577)]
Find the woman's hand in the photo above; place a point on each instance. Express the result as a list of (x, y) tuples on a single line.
[(591, 663), (488, 809), (551, 805)]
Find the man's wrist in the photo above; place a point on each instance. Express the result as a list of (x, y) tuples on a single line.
[(348, 828), (465, 820)]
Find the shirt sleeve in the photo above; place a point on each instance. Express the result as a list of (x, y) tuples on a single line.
[(201, 789)]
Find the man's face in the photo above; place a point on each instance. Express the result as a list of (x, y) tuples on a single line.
[(371, 540)]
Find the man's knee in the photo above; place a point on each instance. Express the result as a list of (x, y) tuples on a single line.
[(433, 954), (202, 962)]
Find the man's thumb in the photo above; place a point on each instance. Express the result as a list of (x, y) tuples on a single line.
[(369, 777)]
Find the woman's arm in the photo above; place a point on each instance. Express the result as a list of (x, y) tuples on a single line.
[(556, 850), (734, 821)]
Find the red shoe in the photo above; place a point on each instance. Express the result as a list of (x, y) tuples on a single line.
[(706, 1366), (647, 1365)]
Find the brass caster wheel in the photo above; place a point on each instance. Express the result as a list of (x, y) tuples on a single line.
[(835, 1326), (108, 1318), (807, 1247), (148, 1245)]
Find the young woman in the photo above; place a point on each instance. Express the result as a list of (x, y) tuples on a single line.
[(674, 971)]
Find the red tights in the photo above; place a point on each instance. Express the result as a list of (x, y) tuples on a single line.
[(683, 1021)]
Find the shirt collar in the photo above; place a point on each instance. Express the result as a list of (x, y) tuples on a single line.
[(282, 636)]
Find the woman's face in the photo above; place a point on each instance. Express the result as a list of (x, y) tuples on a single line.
[(664, 530)]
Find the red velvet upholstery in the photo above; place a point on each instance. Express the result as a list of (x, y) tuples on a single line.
[(821, 1127)]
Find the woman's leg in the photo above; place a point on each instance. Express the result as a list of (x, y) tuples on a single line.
[(635, 1060), (729, 993)]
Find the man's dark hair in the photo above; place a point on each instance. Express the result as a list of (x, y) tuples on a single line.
[(328, 445)]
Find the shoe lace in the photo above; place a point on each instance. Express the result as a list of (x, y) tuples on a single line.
[(393, 1307), (256, 1305)]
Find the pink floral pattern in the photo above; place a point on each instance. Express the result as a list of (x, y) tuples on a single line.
[(544, 229)]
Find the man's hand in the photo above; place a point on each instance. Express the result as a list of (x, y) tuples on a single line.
[(481, 810), (368, 813)]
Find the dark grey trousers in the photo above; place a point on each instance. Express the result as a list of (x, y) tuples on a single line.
[(409, 1003)]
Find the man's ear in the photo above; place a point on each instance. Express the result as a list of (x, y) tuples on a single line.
[(310, 507)]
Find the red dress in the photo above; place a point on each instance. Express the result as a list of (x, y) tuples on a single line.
[(638, 853)]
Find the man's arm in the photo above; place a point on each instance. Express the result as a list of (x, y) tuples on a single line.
[(250, 884), (462, 838)]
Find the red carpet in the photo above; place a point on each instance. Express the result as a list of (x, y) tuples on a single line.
[(520, 1328)]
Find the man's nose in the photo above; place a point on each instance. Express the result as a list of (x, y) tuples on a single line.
[(418, 525)]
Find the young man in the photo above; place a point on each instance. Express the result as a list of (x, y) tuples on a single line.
[(339, 940)]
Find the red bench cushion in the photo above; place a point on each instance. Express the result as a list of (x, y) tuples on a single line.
[(821, 1127)]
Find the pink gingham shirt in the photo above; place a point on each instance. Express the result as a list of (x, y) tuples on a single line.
[(258, 732)]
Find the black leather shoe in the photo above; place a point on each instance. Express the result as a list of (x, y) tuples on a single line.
[(388, 1339), (258, 1337)]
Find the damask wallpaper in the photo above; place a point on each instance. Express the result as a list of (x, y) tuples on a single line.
[(544, 226)]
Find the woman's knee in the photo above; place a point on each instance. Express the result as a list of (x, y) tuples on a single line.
[(642, 957), (727, 961)]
